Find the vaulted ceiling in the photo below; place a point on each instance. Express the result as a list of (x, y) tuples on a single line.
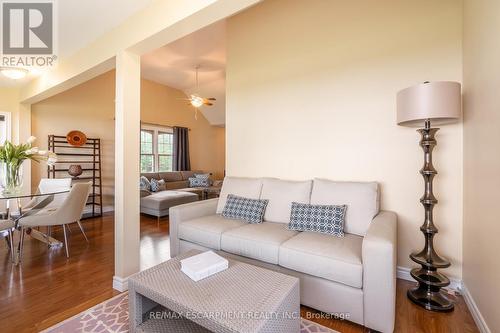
[(175, 64)]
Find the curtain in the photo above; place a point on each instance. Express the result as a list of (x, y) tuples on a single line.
[(181, 150)]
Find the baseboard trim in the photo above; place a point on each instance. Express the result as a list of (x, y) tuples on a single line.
[(120, 284), (474, 310), (404, 274)]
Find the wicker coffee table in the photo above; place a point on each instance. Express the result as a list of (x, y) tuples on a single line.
[(243, 298)]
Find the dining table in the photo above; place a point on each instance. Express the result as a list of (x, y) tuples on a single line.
[(36, 204)]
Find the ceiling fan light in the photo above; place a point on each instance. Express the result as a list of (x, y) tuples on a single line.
[(196, 101), (14, 73)]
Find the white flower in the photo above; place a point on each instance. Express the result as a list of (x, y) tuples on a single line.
[(42, 152), (31, 151), (51, 161), (31, 139)]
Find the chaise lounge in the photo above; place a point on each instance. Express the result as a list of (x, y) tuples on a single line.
[(176, 192)]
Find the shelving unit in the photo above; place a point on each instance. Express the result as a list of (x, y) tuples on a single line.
[(88, 156)]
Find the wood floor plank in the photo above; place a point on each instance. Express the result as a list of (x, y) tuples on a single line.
[(48, 288)]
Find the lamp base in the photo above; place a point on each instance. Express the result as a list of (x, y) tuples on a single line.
[(428, 293), (432, 300)]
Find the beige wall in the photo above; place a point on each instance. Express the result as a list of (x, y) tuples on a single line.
[(9, 102), (311, 92), (167, 106), (481, 156), (90, 108)]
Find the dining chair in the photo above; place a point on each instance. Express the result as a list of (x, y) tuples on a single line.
[(69, 212), (53, 185), (6, 227)]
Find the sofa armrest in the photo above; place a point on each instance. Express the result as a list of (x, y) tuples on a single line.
[(186, 212), (379, 272)]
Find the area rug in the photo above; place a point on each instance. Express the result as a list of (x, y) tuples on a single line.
[(111, 316)]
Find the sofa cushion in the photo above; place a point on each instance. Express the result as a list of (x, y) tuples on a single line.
[(172, 176), (361, 198), (207, 230), (187, 174), (177, 184), (165, 199), (198, 191), (281, 194), (150, 175), (332, 258), (243, 187), (257, 241)]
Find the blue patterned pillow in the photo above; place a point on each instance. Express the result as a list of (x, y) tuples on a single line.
[(157, 185), (198, 182), (326, 219), (240, 208), (204, 176), (144, 184)]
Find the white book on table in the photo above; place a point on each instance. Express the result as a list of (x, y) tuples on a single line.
[(203, 265)]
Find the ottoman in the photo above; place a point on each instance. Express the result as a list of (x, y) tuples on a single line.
[(157, 204), (242, 299)]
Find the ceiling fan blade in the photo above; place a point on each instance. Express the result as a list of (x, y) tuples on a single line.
[(211, 99), (208, 103)]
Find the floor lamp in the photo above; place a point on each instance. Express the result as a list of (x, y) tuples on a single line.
[(439, 103)]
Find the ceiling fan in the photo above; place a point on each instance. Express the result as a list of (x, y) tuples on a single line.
[(197, 101)]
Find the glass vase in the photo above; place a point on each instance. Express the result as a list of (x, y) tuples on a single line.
[(11, 178)]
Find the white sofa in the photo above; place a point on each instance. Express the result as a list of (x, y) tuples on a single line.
[(353, 276)]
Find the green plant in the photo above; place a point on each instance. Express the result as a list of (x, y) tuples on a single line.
[(12, 157)]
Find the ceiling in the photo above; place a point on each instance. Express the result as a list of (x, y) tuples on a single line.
[(82, 22), (174, 65)]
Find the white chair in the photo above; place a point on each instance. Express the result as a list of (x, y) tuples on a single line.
[(70, 211), (6, 227), (53, 185)]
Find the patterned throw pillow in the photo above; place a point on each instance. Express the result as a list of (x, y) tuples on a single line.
[(198, 182), (204, 176), (157, 185), (144, 184), (240, 208), (326, 219)]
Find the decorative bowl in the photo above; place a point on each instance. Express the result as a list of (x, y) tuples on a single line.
[(76, 138), (75, 170)]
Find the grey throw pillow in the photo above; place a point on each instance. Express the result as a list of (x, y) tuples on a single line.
[(158, 185), (144, 184), (198, 182), (326, 219), (240, 208), (205, 177)]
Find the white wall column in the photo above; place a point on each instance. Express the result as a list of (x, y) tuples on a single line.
[(127, 129)]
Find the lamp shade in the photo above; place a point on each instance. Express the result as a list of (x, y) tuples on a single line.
[(440, 102)]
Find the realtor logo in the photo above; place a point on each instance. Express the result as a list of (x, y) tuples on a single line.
[(28, 29)]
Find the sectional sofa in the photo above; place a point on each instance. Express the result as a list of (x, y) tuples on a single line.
[(177, 191), (353, 277)]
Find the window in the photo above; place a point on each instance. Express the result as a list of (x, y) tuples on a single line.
[(156, 149)]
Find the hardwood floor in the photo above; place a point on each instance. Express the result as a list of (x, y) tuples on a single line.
[(47, 288)]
